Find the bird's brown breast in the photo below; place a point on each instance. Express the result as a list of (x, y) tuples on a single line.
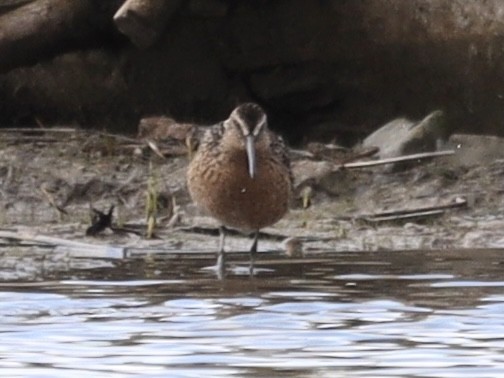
[(221, 185)]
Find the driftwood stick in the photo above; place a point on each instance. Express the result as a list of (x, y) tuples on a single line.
[(38, 130), (142, 21), (458, 202), (404, 216), (43, 239), (74, 248), (414, 213), (420, 156)]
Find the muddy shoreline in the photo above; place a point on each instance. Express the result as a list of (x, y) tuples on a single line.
[(74, 169)]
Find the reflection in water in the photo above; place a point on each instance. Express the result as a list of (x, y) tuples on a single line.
[(365, 314)]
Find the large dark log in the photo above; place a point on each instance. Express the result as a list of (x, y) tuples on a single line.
[(142, 21), (44, 27), (7, 5), (322, 69)]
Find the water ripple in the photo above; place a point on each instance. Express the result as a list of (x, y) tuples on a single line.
[(439, 318)]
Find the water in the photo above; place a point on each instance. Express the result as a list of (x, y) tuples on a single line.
[(362, 314)]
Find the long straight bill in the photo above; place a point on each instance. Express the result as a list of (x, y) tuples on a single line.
[(251, 155)]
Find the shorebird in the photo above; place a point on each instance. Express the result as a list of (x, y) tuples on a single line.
[(240, 175)]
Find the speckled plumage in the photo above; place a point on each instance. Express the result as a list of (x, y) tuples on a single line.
[(219, 177)]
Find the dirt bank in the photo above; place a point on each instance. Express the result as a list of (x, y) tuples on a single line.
[(48, 180)]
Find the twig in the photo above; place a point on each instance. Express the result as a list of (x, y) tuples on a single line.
[(74, 248), (414, 213), (418, 214), (42, 239), (37, 130), (420, 156), (18, 139)]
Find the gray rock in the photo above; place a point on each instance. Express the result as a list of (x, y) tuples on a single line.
[(403, 137), (472, 150)]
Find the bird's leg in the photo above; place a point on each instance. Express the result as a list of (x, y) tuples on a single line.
[(253, 251), (221, 257)]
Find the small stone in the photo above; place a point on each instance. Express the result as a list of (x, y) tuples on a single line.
[(293, 248)]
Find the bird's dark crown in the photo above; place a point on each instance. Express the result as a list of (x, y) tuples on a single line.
[(250, 118)]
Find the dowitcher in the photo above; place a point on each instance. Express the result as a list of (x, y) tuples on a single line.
[(241, 176)]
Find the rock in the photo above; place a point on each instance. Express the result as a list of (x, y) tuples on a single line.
[(403, 137), (354, 62), (474, 150), (293, 248)]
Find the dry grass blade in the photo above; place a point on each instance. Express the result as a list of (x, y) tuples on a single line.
[(155, 148), (51, 201)]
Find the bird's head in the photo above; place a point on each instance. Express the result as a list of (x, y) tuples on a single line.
[(246, 128)]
